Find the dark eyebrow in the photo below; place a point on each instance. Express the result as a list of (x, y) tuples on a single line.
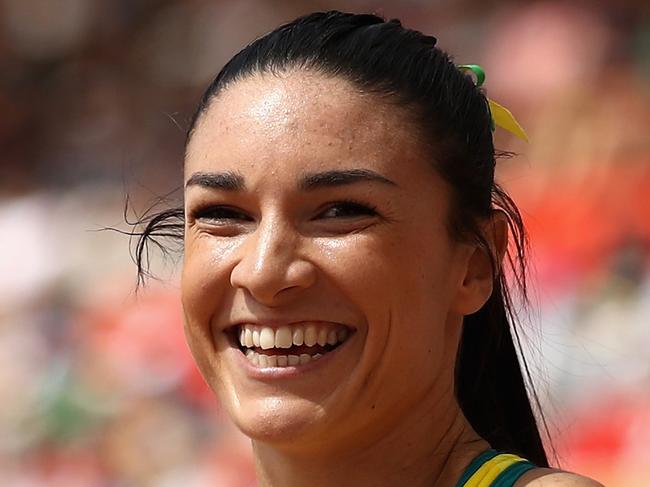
[(226, 181), (337, 178)]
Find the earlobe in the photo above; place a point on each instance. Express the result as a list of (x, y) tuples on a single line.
[(477, 282)]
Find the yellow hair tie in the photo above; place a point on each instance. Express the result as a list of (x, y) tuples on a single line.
[(501, 116)]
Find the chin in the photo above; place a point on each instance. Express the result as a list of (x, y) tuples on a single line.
[(276, 420)]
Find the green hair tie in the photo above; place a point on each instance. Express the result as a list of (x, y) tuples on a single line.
[(478, 71)]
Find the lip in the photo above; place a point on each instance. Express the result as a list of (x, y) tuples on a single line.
[(288, 372)]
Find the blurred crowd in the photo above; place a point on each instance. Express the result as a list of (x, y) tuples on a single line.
[(96, 383)]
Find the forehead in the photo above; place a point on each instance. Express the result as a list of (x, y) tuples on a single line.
[(300, 116)]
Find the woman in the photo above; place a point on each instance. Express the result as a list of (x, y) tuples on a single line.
[(342, 282)]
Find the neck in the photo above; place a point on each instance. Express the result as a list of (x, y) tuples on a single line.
[(424, 450)]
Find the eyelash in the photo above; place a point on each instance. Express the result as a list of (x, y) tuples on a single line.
[(360, 209), (220, 213), (228, 213)]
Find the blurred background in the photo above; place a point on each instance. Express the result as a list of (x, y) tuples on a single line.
[(96, 384)]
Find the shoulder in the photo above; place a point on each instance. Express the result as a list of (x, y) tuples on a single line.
[(549, 477)]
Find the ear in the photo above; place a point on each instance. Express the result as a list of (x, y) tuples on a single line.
[(477, 281)]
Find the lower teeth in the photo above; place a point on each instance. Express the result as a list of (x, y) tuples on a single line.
[(261, 360)]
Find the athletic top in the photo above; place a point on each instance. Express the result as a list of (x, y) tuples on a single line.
[(494, 469)]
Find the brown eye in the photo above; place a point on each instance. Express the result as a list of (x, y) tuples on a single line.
[(347, 209), (221, 215)]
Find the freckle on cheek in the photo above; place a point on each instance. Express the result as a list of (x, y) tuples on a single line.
[(331, 247), (224, 250)]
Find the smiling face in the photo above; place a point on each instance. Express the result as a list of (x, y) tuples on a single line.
[(313, 209)]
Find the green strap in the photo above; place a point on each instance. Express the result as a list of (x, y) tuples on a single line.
[(509, 476), (475, 465)]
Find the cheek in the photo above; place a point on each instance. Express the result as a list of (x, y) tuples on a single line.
[(400, 282), (206, 276), (392, 269)]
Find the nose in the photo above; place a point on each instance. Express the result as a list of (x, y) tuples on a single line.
[(270, 269)]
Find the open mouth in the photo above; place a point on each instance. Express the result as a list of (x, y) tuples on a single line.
[(288, 346)]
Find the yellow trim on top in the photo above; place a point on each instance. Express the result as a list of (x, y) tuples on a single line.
[(491, 469)]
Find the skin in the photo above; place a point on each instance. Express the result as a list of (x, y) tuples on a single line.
[(383, 410)]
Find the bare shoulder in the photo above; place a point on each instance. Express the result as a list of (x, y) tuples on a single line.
[(549, 477)]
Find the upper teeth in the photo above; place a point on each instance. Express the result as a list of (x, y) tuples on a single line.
[(308, 334)]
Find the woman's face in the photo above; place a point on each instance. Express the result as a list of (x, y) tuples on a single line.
[(313, 214)]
